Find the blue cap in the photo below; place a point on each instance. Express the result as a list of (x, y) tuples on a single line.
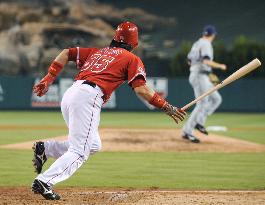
[(209, 30)]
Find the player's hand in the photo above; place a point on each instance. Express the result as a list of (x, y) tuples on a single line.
[(223, 67), (43, 86), (174, 112)]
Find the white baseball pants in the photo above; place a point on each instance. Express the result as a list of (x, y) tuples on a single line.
[(81, 106), (201, 83)]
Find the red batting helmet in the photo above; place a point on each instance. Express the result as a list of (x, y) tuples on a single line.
[(127, 32)]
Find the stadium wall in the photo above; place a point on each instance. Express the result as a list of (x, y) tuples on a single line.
[(246, 95)]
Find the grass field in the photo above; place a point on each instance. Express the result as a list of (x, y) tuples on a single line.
[(167, 170)]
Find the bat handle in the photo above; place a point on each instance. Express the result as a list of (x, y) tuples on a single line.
[(184, 108), (187, 106)]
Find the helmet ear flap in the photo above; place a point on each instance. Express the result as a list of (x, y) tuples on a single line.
[(121, 45)]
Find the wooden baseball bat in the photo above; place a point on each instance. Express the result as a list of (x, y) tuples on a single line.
[(236, 75)]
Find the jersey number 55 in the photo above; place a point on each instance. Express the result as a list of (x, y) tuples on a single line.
[(97, 63)]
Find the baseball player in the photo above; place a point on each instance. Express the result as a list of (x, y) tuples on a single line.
[(102, 70), (201, 63)]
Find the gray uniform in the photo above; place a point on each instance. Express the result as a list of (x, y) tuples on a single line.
[(201, 83)]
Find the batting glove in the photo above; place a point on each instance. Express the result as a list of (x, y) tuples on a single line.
[(43, 86), (174, 112)]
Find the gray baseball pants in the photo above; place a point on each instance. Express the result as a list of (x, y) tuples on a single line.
[(200, 84)]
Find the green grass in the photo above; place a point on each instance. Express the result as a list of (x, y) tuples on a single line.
[(139, 170), (250, 127), (143, 170), (16, 136), (30, 118)]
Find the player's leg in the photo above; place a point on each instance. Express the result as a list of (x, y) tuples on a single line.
[(96, 144), (196, 81), (187, 128), (213, 102), (205, 86), (55, 149), (193, 119), (84, 112)]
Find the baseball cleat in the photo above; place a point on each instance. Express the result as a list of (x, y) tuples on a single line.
[(201, 128), (39, 187), (39, 156), (191, 138)]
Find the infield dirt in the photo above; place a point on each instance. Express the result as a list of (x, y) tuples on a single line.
[(160, 140), (82, 196)]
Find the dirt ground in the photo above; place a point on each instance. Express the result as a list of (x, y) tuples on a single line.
[(82, 196), (159, 140)]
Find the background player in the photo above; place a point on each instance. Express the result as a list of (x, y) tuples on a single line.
[(101, 72), (201, 63)]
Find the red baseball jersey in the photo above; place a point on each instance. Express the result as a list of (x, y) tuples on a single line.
[(108, 67)]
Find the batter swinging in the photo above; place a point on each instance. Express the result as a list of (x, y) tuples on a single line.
[(101, 72)]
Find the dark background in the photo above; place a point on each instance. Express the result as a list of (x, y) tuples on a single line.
[(231, 17), (167, 30)]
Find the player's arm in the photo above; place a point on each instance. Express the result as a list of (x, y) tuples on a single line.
[(55, 68), (149, 95), (214, 64), (62, 58), (205, 53), (137, 80)]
